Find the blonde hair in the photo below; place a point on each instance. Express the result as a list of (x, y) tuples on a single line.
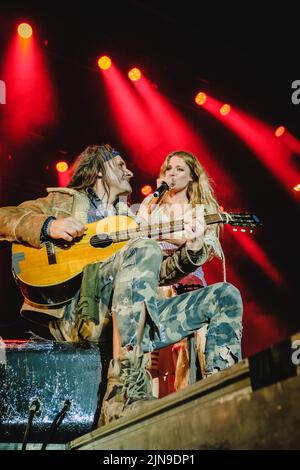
[(200, 189)]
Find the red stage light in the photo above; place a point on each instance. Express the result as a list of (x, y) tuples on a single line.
[(200, 98), (26, 76), (146, 190), (62, 167), (225, 109), (104, 62), (134, 74), (259, 137), (280, 131), (297, 188), (24, 30)]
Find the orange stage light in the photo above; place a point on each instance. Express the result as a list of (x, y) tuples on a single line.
[(62, 167), (225, 109), (104, 62), (134, 74), (200, 98), (297, 188), (146, 190), (280, 131), (24, 30)]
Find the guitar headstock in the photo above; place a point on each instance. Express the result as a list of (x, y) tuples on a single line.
[(242, 219)]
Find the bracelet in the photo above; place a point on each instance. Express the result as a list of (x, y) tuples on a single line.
[(44, 232)]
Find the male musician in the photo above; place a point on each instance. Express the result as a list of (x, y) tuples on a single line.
[(125, 285)]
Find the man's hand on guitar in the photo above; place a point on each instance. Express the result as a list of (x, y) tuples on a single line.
[(66, 229), (194, 229)]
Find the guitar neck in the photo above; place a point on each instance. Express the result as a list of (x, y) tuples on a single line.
[(158, 230)]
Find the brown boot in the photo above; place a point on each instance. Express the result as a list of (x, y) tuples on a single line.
[(129, 387)]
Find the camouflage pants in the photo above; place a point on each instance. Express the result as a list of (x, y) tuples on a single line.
[(129, 281), (218, 305), (135, 272)]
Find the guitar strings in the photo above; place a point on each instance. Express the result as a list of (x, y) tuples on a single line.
[(161, 229)]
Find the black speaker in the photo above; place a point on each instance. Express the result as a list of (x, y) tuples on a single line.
[(48, 374)]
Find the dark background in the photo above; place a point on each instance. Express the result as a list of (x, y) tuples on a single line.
[(238, 53)]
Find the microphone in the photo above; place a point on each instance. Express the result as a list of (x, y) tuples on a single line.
[(157, 195), (161, 189)]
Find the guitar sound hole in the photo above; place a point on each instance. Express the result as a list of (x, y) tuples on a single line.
[(101, 240)]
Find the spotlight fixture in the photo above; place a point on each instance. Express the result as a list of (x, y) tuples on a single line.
[(146, 190), (104, 62), (200, 98), (62, 167), (134, 74), (279, 131), (24, 30), (225, 109)]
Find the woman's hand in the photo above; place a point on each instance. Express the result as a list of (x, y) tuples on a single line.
[(194, 229)]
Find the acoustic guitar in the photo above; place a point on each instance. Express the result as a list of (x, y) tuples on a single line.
[(51, 274)]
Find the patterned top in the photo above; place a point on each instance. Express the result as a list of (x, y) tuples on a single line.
[(210, 239)]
